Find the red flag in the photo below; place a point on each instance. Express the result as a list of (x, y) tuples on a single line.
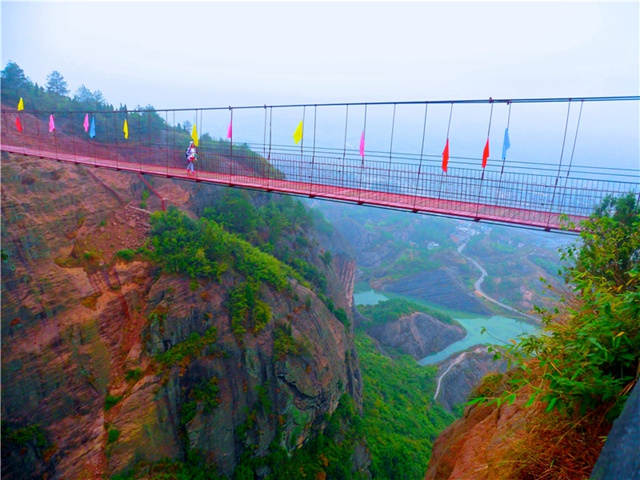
[(485, 154), (18, 124), (445, 156)]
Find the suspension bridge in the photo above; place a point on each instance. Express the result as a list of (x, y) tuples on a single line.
[(346, 152)]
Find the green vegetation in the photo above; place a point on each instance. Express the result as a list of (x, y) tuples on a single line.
[(247, 310), (207, 392), (23, 436), (391, 310), (400, 420), (203, 249), (589, 350), (112, 435), (580, 369), (110, 401), (134, 374), (126, 254), (146, 126), (328, 455), (283, 342), (190, 348)]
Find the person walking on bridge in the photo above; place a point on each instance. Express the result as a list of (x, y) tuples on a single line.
[(191, 156)]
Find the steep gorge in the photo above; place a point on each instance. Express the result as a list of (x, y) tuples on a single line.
[(118, 363)]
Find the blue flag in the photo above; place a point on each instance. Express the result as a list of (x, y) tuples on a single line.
[(92, 130), (506, 143)]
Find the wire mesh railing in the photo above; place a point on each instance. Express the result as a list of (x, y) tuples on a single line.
[(526, 192)]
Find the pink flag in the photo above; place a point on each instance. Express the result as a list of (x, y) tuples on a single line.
[(485, 154), (52, 124), (445, 156), (362, 144), (230, 131), (86, 122)]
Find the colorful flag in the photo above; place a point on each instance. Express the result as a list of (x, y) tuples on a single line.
[(297, 135), (194, 135), (52, 123), (20, 104), (86, 122), (230, 130), (362, 144), (485, 154), (506, 143), (125, 129), (445, 157), (18, 124), (92, 130)]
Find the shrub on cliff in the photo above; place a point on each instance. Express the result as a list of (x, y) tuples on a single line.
[(586, 359)]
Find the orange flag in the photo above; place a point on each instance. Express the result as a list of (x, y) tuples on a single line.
[(485, 154), (445, 156)]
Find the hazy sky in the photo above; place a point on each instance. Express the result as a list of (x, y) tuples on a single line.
[(214, 54), (208, 54)]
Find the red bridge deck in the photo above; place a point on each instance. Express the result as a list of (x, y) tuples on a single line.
[(412, 203)]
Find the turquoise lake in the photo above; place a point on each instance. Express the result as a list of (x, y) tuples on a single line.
[(499, 329)]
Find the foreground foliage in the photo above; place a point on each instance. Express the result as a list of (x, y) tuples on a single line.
[(580, 370), (401, 421)]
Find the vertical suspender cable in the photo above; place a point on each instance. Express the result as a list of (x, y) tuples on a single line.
[(201, 146), (304, 111), (149, 154), (115, 140), (174, 131), (504, 157), (573, 150), (230, 136), (364, 131), (555, 186), (73, 138), (344, 151), (504, 153), (270, 131), (166, 140), (483, 163), (445, 153), (264, 137), (424, 134), (393, 125), (313, 150)]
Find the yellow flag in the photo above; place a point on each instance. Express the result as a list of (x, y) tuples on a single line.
[(194, 135), (297, 135), (125, 129), (20, 104)]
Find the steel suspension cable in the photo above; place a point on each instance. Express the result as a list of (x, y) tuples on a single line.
[(555, 186), (483, 164), (364, 131), (344, 151), (264, 137), (573, 149), (444, 165), (393, 125), (424, 133)]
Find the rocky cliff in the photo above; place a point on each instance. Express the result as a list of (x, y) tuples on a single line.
[(108, 362), (417, 334), (459, 374), (516, 439)]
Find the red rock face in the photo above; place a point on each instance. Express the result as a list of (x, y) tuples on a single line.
[(80, 328), (345, 268), (476, 446)]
